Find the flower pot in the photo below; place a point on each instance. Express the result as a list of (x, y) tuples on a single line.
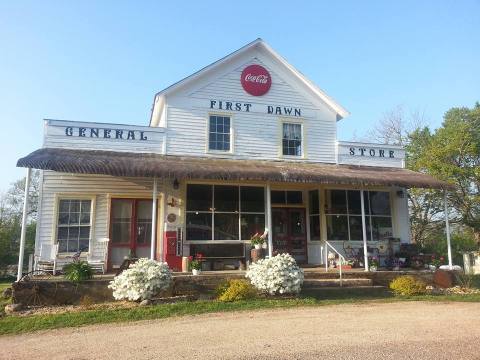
[(258, 246), (196, 272)]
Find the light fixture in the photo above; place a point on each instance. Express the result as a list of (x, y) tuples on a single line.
[(176, 184)]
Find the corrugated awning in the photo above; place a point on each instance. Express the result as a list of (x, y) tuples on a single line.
[(180, 167)]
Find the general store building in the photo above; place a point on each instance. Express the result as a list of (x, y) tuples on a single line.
[(245, 145)]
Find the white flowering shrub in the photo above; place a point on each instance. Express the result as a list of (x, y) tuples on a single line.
[(277, 275), (142, 280)]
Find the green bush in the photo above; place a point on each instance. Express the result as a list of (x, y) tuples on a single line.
[(234, 290), (408, 285), (78, 271)]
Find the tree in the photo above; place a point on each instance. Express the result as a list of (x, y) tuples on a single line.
[(11, 211), (452, 154)]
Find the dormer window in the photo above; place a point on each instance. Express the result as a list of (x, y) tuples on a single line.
[(292, 139), (219, 137)]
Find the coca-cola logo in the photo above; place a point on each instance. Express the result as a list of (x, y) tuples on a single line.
[(256, 80)]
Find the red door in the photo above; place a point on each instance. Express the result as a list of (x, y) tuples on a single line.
[(289, 232), (130, 230)]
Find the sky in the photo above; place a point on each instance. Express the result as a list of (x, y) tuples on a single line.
[(104, 60)]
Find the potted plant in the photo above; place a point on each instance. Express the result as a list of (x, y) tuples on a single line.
[(435, 262), (257, 241), (373, 261), (196, 264)]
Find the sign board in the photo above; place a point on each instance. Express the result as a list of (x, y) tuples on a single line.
[(256, 80)]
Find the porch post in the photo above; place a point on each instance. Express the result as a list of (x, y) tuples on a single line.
[(364, 231), (24, 224), (154, 219), (447, 229), (269, 222)]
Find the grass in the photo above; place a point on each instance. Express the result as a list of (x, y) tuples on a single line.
[(23, 324)]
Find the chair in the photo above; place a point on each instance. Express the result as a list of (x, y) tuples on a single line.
[(98, 261), (46, 260)]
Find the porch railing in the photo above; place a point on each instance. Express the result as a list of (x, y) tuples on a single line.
[(340, 258)]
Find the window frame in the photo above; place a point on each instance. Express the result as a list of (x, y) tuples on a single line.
[(207, 144), (368, 216), (81, 197), (213, 212), (303, 140)]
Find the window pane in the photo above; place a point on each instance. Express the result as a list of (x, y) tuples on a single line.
[(315, 227), (337, 227), (226, 198), (144, 222), (62, 246), (294, 197), (336, 201), (84, 232), (74, 205), (83, 244), (199, 197), (382, 228), (226, 227), (199, 226), (379, 202), (72, 246), (252, 224), (64, 206), (278, 197), (85, 218), (63, 218), (314, 202), (74, 218), (252, 198), (354, 202), (356, 232), (121, 221), (73, 233), (62, 233), (85, 206)]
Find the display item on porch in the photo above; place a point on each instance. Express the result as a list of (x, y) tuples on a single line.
[(196, 263), (257, 254), (257, 240)]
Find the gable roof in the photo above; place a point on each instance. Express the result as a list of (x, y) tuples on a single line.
[(159, 99)]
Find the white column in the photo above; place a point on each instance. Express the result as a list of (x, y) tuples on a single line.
[(447, 229), (24, 224), (154, 219), (364, 231), (269, 222)]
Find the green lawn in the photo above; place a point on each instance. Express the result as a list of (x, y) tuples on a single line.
[(17, 324), (3, 301)]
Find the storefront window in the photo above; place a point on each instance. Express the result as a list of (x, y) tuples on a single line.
[(344, 220), (314, 213), (287, 197), (292, 139), (224, 212)]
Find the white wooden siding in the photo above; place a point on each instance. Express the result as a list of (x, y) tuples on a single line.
[(55, 136), (101, 187), (256, 134), (345, 157)]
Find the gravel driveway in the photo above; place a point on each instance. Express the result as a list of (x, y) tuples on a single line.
[(402, 330)]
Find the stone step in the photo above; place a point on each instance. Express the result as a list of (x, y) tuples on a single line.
[(335, 282)]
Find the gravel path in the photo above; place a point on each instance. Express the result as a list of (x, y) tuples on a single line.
[(402, 330)]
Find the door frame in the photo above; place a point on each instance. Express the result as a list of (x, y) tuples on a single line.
[(287, 209), (133, 245)]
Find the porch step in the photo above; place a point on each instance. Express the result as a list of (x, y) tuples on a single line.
[(335, 282)]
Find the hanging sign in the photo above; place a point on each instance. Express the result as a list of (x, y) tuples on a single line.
[(256, 80)]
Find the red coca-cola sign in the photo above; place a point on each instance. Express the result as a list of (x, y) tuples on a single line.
[(256, 80)]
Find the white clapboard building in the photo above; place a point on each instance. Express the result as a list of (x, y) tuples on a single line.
[(245, 145)]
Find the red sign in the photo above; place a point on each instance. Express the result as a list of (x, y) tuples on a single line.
[(256, 80)]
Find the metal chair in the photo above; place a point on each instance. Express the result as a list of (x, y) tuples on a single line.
[(46, 260), (98, 261)]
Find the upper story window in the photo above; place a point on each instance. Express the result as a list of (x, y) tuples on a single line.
[(292, 139), (219, 135)]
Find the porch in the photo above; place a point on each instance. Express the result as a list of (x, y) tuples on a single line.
[(337, 204)]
